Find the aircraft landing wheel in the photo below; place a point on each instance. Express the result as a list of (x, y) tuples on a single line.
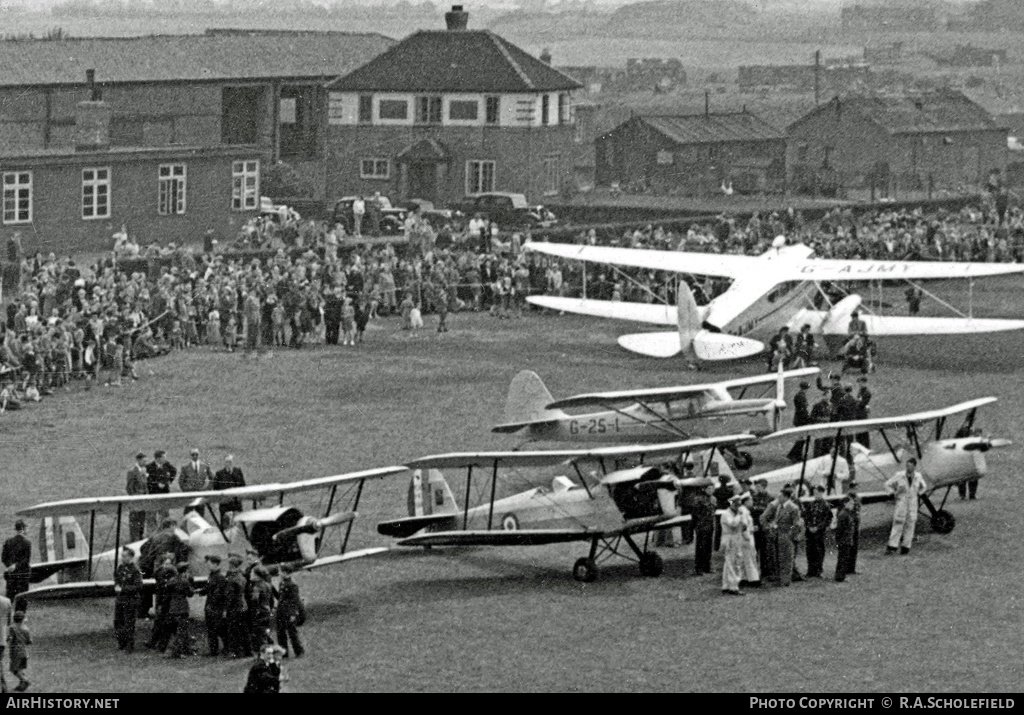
[(651, 564), (943, 522), (743, 460), (509, 522), (585, 570)]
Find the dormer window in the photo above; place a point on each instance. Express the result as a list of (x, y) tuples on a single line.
[(428, 109)]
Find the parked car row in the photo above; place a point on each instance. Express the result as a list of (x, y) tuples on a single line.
[(508, 210)]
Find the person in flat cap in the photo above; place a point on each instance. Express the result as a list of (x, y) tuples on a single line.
[(137, 484), (16, 556), (844, 538), (702, 515)]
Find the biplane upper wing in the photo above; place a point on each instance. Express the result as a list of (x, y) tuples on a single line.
[(153, 502), (704, 264), (878, 422), (830, 269), (544, 458), (670, 394)]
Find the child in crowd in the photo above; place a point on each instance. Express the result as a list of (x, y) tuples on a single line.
[(231, 334), (213, 329)]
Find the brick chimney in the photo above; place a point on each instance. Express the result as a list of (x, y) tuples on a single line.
[(92, 119), (456, 19)]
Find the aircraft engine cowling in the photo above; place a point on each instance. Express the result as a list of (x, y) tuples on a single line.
[(307, 541), (948, 462)]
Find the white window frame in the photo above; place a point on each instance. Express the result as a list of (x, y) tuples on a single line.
[(375, 173), (245, 185), (476, 182), (168, 176), (17, 186), (95, 185)]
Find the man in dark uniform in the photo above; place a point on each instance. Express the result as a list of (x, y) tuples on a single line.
[(820, 414), (216, 604), (137, 484), (261, 607), (228, 478), (291, 614), (159, 475), (817, 517), (179, 588), (863, 411), (162, 622), (17, 559), (703, 517), (761, 499), (845, 530), (854, 507), (801, 417), (128, 591), (236, 642), (332, 316)]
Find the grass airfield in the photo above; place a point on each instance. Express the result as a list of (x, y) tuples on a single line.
[(945, 618)]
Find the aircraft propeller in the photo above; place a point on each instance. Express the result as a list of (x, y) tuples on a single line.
[(311, 525)]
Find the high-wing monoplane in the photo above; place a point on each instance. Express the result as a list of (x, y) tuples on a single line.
[(778, 288), (282, 534), (633, 497), (646, 415), (945, 462)]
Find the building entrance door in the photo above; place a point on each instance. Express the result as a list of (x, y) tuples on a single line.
[(422, 180)]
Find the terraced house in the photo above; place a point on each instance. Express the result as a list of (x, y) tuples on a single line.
[(449, 113)]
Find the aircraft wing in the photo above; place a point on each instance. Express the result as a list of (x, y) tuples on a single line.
[(913, 325), (43, 571), (347, 556), (704, 264), (827, 269), (154, 502), (89, 589), (500, 537), (651, 313), (670, 394), (878, 422), (543, 458)]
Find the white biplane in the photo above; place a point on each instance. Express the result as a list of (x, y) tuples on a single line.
[(945, 462), (608, 511), (775, 289), (282, 534)]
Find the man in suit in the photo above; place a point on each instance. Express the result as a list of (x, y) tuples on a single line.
[(159, 475), (17, 560), (138, 484), (801, 417), (786, 523), (228, 478), (196, 475)]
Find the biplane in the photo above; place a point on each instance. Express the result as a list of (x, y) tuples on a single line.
[(634, 495), (282, 534), (944, 461), (646, 415), (781, 287)]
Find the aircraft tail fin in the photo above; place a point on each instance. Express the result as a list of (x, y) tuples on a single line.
[(689, 320), (527, 403), (430, 494), (704, 345)]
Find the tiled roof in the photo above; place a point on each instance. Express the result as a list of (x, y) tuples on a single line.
[(216, 55), (713, 128), (455, 61), (942, 111)]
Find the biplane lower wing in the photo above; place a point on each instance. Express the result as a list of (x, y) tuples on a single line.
[(896, 325), (650, 313), (406, 527), (347, 556), (523, 537)]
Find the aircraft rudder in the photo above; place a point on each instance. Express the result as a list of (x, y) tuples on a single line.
[(429, 493), (528, 399)]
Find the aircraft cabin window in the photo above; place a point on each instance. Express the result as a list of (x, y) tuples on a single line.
[(69, 540)]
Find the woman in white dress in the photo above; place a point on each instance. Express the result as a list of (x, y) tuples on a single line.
[(733, 528)]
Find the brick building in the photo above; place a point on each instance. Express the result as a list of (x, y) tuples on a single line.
[(444, 114), (693, 154), (926, 142), (168, 134)]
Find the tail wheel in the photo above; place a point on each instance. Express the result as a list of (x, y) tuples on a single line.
[(651, 564), (943, 522), (585, 570), (743, 460), (509, 522)]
